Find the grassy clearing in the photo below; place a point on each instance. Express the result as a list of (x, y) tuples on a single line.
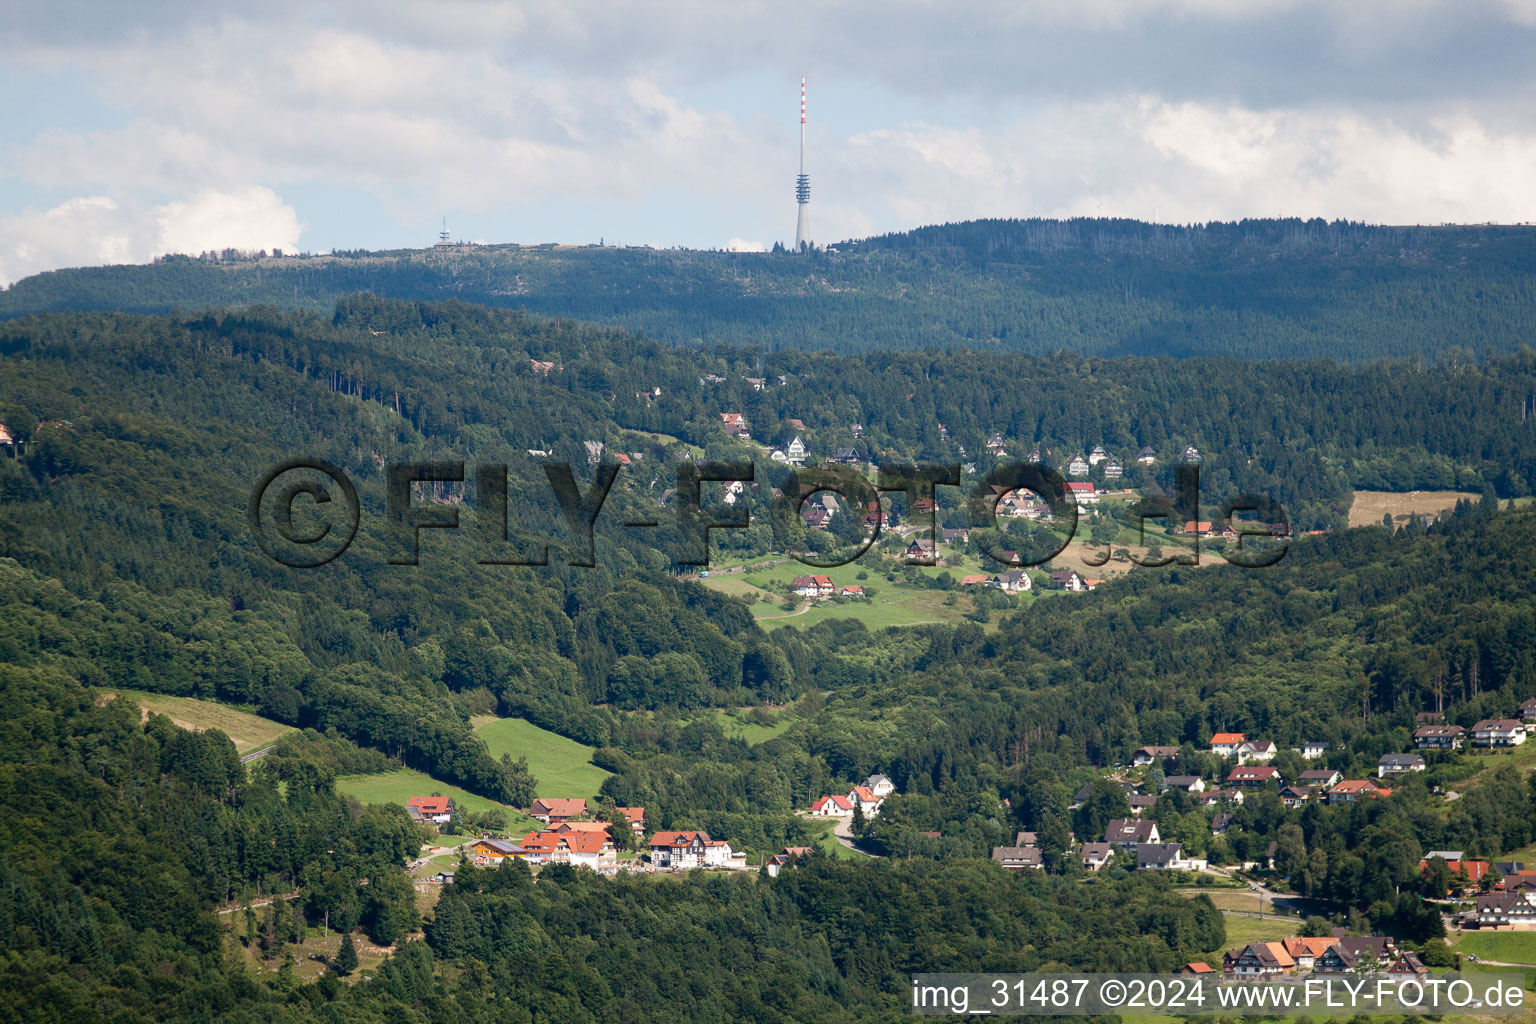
[(1243, 900), (894, 604), (1510, 947), (398, 786), (1243, 930), (248, 731), (740, 725), (316, 944), (562, 766), (1369, 506), (826, 843)]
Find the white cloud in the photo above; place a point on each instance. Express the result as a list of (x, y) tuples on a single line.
[(742, 245), (94, 230)]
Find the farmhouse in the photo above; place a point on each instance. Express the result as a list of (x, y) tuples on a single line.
[(1011, 582), (1305, 950), (436, 809), (1506, 909), (812, 586), (1258, 958), (1355, 953), (552, 810), (1498, 732)]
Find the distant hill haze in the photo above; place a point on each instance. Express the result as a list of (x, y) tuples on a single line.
[(1260, 289)]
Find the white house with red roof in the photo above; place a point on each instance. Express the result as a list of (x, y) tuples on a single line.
[(832, 807), (1227, 744), (552, 810), (1082, 492), (813, 586), (678, 851), (1256, 750), (587, 848), (865, 800)]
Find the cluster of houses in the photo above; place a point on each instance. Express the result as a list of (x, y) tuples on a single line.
[(1135, 842), (1489, 734), (822, 587), (1335, 954), (867, 799)]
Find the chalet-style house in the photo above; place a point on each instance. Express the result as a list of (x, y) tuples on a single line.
[(794, 452), (1498, 732), (1439, 737), (1258, 959), (1352, 791), (1253, 776), (960, 536), (1144, 756), (1355, 953), (1017, 858), (1128, 833), (1527, 706), (922, 549), (1399, 764), (736, 425), (1078, 466), (1192, 454), (1114, 469), (1014, 581), (1313, 749), (1297, 796), (1067, 579), (845, 457), (435, 809), (1305, 950), (1166, 857), (552, 810), (1147, 456), (1227, 744), (1323, 777), (677, 851), (1098, 455), (1096, 855), (813, 586), (1506, 910)]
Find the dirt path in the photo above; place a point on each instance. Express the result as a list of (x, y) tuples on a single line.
[(787, 615)]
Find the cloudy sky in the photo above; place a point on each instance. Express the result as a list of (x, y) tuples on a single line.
[(128, 130)]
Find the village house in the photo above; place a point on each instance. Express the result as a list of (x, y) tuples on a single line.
[(1013, 581), (1323, 777), (1351, 791), (1144, 756), (1017, 858), (711, 378), (865, 800), (1256, 750), (1082, 492), (832, 807), (960, 536), (1217, 797), (794, 452), (1220, 822), (1096, 855), (1297, 796), (555, 809), (1140, 803), (976, 579), (845, 457), (1197, 527), (786, 858), (1147, 456), (921, 549), (1166, 857), (436, 809), (1128, 833), (1098, 455), (736, 425), (487, 850), (585, 848), (1258, 959), (1067, 579), (1399, 764), (1192, 454), (1188, 783), (1197, 967), (1439, 737), (1305, 950), (1498, 732), (1355, 953), (1114, 469), (636, 818), (881, 786), (1313, 749), (1512, 910), (1254, 776), (594, 452), (1527, 706), (756, 383), (812, 586), (1226, 744), (677, 851), (1078, 466), (852, 590)]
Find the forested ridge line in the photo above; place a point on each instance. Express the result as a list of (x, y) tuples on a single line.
[(1256, 289)]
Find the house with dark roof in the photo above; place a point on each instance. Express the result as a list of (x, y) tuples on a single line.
[(1253, 776), (1096, 855), (1188, 783), (1357, 953), (1146, 755), (1498, 732), (1257, 959), (1166, 857), (1017, 858), (1439, 737), (1399, 764), (552, 810), (1129, 833)]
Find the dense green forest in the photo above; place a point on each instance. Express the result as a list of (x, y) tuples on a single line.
[(1258, 289), (126, 562)]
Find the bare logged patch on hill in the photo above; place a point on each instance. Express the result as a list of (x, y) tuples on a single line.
[(1370, 506), (248, 731)]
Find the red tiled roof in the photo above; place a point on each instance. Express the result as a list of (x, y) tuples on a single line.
[(559, 806), (1226, 738), (429, 804)]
